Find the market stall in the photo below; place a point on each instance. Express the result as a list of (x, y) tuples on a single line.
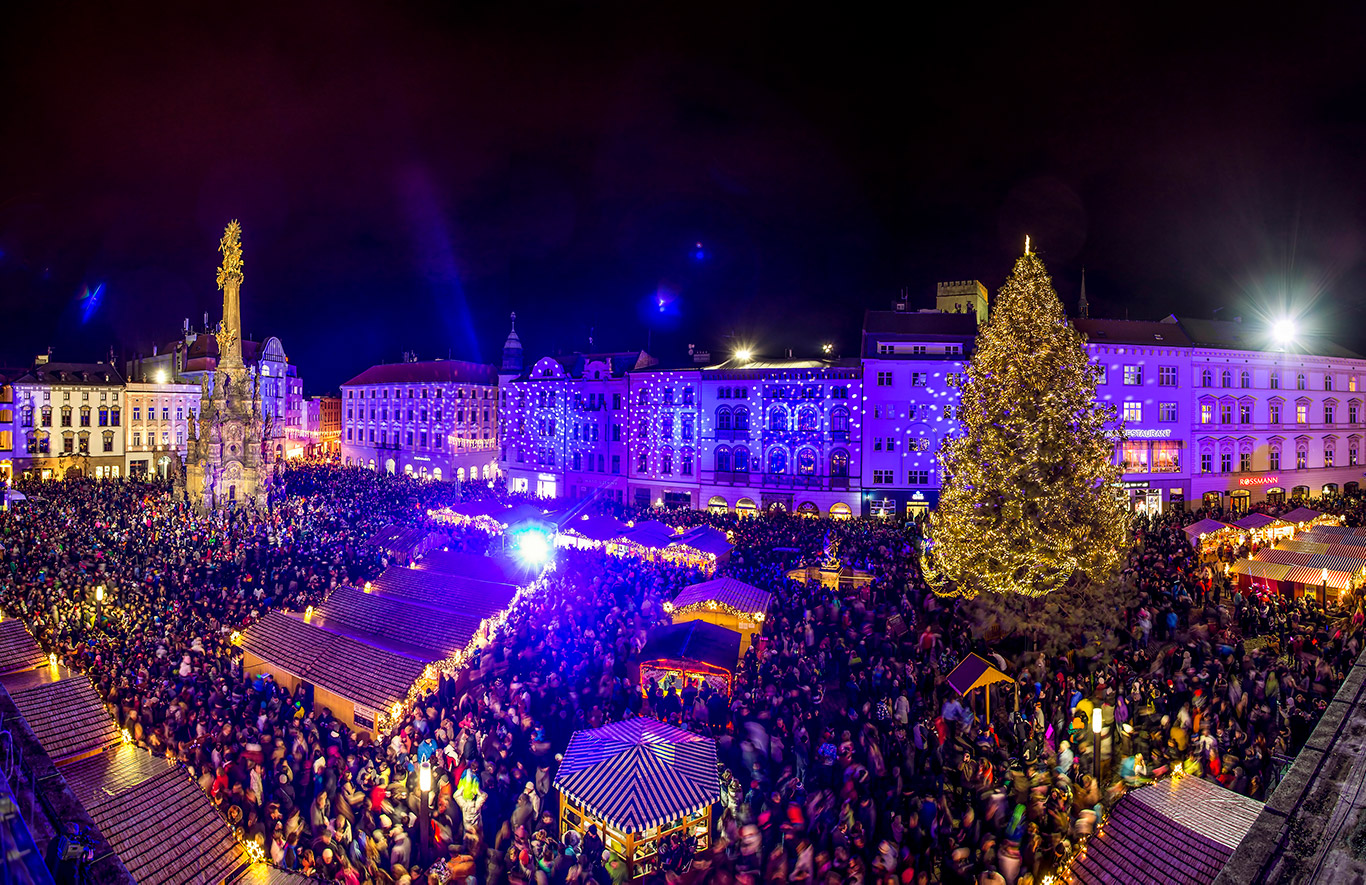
[(639, 782), (702, 547), (1304, 519), (691, 653), (1262, 528), (724, 602), (589, 532), (1207, 534), (1253, 575), (483, 515)]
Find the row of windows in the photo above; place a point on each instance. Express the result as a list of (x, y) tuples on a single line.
[(913, 477), (39, 443), (418, 415), (737, 460), (105, 396), (435, 393), (165, 437), (918, 379), (107, 417), (1245, 380), (1274, 460), (1330, 413)]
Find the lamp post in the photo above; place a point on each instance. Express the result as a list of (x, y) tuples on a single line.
[(1095, 730), (1323, 590), (99, 602), (424, 788)]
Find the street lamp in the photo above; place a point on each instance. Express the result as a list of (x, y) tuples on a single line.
[(424, 787), (1323, 594), (99, 602), (1095, 730)]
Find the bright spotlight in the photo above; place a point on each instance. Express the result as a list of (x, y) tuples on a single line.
[(1283, 331), (743, 354), (533, 548)]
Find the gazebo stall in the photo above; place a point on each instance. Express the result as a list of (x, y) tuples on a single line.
[(702, 547), (691, 653), (639, 781), (724, 602)]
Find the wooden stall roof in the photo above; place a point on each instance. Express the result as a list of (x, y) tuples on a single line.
[(155, 818), (693, 641), (600, 528), (1287, 557), (371, 676), (1255, 568), (705, 539), (436, 631), (67, 717), (19, 651), (265, 874), (650, 533), (729, 592), (453, 593), (1205, 527), (1175, 832), (975, 671), (498, 569), (1313, 577), (1301, 514), (1256, 521), (407, 540)]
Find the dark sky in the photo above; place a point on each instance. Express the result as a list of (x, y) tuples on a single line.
[(407, 175)]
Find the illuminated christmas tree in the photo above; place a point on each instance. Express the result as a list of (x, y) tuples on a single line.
[(1028, 505)]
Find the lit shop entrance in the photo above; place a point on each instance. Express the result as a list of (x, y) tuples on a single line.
[(1238, 501), (1145, 501)]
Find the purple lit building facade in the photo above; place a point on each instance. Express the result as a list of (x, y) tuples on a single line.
[(1207, 414), (436, 419)]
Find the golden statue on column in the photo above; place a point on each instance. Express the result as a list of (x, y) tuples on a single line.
[(229, 463)]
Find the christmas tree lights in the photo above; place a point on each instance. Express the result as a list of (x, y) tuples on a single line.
[(1028, 504)]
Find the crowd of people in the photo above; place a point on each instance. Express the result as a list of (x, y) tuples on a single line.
[(846, 755)]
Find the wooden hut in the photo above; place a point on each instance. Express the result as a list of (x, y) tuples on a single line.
[(725, 602), (691, 653), (638, 782)]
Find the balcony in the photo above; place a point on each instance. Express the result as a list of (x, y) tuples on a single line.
[(791, 481), (732, 433)]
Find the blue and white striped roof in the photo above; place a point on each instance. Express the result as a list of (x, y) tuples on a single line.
[(639, 773)]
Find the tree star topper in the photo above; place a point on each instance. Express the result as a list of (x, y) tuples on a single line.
[(231, 247)]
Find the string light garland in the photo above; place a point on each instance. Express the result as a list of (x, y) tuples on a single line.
[(1028, 503)]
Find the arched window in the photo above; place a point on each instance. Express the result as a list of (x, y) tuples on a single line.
[(806, 462), (777, 461), (1226, 378), (839, 463), (47, 416), (723, 418), (436, 473), (722, 460), (1300, 382), (740, 460), (839, 419), (1245, 380), (808, 419), (666, 462), (460, 474), (777, 419), (1207, 378), (741, 418), (642, 398)]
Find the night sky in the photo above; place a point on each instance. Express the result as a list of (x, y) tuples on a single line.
[(407, 176)]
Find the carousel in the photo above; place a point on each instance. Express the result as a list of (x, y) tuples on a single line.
[(644, 786)]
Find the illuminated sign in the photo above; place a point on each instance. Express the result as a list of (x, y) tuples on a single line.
[(1259, 480), (1148, 432)]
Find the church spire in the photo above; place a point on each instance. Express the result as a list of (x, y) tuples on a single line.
[(1082, 307), (230, 281), (512, 349)]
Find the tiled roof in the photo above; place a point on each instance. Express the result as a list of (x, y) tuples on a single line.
[(429, 372), (71, 373), (441, 632), (348, 667), (407, 540), (67, 717), (1132, 332), (18, 649), (1175, 832), (158, 821)]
